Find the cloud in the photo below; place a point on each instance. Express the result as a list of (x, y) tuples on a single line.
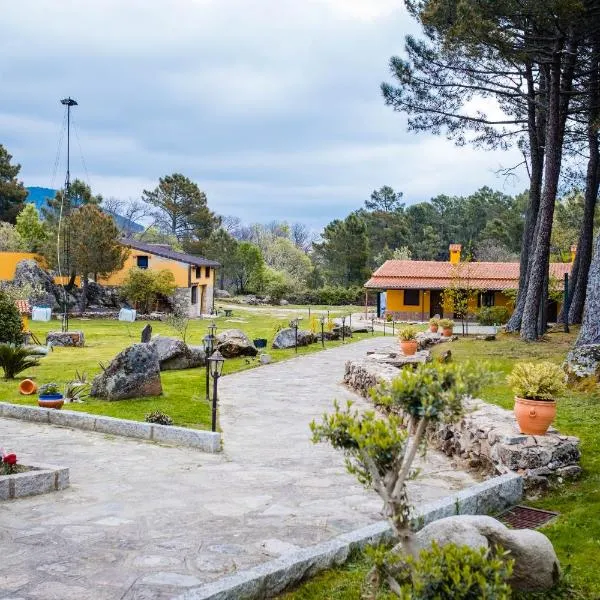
[(272, 106)]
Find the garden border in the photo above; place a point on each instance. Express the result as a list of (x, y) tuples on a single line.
[(40, 480), (274, 577), (207, 441)]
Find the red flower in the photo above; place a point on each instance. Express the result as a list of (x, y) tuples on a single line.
[(10, 459)]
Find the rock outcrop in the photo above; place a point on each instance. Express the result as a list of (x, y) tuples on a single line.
[(536, 567), (134, 372), (65, 338), (286, 338), (583, 362), (234, 342), (174, 354)]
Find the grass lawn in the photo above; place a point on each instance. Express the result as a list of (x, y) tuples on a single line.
[(183, 391), (576, 533)]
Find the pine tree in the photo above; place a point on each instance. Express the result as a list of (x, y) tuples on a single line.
[(12, 192)]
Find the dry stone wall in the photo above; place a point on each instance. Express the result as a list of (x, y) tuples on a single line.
[(487, 437)]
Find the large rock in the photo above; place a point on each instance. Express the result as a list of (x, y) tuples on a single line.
[(65, 338), (234, 342), (174, 354), (536, 565), (222, 294), (29, 272), (134, 372), (286, 338), (583, 362)]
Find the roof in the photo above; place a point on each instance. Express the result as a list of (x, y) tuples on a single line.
[(429, 274), (23, 306), (165, 252)]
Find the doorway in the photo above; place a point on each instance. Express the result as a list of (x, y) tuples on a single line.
[(435, 303)]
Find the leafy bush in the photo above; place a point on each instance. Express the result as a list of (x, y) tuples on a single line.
[(434, 321), (331, 295), (14, 359), (446, 323), (452, 572), (158, 417), (48, 388), (408, 334), (493, 315), (537, 381), (144, 287), (11, 326)]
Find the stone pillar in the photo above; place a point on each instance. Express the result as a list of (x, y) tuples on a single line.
[(208, 294)]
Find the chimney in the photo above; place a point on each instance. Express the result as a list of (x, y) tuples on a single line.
[(455, 253), (573, 252)]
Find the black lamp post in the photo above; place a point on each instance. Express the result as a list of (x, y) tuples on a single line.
[(322, 319), (372, 326), (343, 329), (209, 345), (216, 368), (294, 326)]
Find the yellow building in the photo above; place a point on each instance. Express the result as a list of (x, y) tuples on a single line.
[(412, 290), (194, 275), (10, 260)]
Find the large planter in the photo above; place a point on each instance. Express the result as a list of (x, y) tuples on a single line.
[(408, 347), (51, 401), (534, 416), (27, 387), (433, 328), (447, 331), (260, 343)]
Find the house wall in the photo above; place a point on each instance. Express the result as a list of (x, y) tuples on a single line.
[(9, 261), (395, 306)]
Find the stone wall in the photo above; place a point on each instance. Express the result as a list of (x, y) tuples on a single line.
[(487, 437)]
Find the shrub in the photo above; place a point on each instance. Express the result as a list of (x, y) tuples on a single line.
[(144, 287), (408, 334), (454, 572), (11, 326), (14, 359), (48, 388), (158, 417), (493, 315), (446, 323), (537, 381), (434, 321)]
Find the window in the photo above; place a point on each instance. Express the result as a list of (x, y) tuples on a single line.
[(142, 262), (411, 297), (198, 273), (195, 294), (207, 271), (486, 299)]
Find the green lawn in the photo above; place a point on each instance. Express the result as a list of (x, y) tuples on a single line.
[(183, 391), (576, 533)]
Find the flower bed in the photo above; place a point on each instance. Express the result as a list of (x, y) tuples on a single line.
[(32, 479)]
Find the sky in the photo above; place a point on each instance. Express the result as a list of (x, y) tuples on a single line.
[(272, 106)]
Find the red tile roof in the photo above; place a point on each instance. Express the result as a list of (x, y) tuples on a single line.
[(429, 274), (23, 306)]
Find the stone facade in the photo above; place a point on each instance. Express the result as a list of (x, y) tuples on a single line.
[(487, 437)]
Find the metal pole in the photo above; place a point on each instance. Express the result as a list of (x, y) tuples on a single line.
[(343, 329), (207, 379), (372, 326), (296, 337), (393, 327), (323, 333), (566, 303), (214, 402), (384, 328)]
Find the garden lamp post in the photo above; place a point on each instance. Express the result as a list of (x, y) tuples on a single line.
[(294, 326), (322, 319), (216, 368), (209, 346), (373, 326), (343, 329)]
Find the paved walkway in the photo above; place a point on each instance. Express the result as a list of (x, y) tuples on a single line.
[(141, 521)]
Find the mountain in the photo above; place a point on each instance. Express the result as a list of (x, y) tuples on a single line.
[(38, 196)]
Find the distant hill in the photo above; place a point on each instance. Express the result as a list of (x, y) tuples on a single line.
[(39, 195)]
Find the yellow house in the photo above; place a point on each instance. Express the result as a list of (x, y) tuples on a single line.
[(194, 275), (412, 290), (10, 260)]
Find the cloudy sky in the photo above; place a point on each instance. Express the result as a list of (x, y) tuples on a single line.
[(272, 106)]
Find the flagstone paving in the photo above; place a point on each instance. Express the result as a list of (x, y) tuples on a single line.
[(142, 521)]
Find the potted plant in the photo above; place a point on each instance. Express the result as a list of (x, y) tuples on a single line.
[(447, 326), (50, 396), (260, 342), (408, 340), (434, 324), (536, 387)]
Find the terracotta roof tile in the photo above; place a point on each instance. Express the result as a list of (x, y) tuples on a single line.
[(421, 274)]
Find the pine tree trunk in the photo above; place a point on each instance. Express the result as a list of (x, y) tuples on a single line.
[(590, 324)]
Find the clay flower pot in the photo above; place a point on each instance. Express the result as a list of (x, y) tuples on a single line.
[(408, 347), (51, 401), (433, 328), (447, 331), (534, 416), (27, 387)]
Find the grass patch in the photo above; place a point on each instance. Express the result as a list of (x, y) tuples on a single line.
[(576, 532), (183, 396)]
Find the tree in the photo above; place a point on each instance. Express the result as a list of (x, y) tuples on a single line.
[(95, 245), (222, 247), (12, 191), (10, 239), (32, 230), (153, 236), (385, 199), (127, 213), (247, 268), (282, 255), (301, 236), (181, 209), (143, 287), (590, 323), (63, 204), (11, 325)]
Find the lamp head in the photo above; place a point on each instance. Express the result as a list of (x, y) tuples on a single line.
[(216, 361)]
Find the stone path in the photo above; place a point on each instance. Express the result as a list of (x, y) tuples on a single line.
[(141, 521)]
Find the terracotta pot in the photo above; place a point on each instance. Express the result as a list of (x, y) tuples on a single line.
[(433, 328), (447, 331), (408, 347), (27, 387), (51, 401), (534, 416)]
